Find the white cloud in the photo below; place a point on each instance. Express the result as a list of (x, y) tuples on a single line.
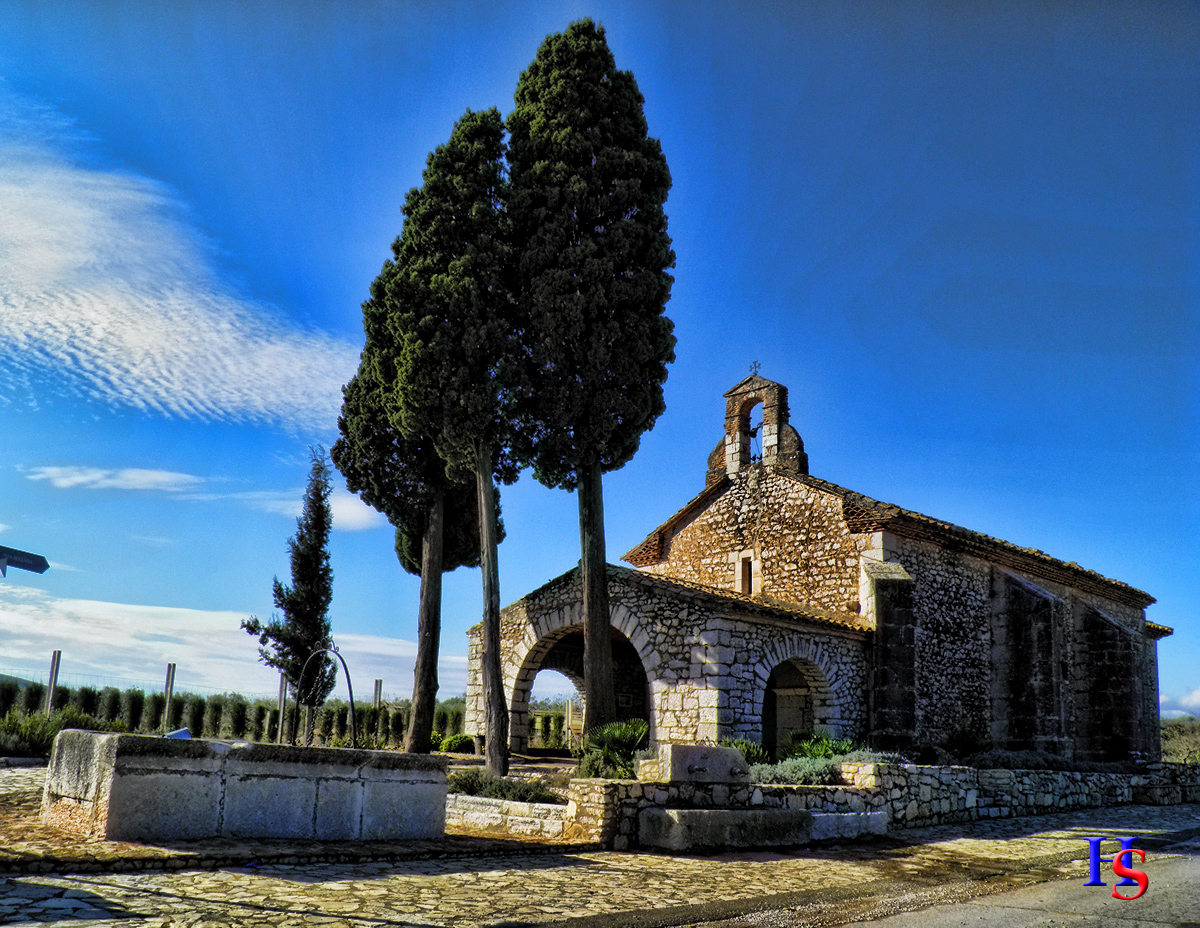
[(96, 478), (1173, 706), (105, 288), (351, 514), (116, 641), (3, 527)]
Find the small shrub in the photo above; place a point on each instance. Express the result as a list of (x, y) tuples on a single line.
[(435, 740), (801, 771), (399, 726), (326, 723), (195, 716), (110, 704), (814, 746), (479, 783), (87, 699), (32, 697), (441, 720), (178, 704), (33, 735), (610, 750), (62, 698), (873, 757), (10, 691), (152, 717), (237, 709), (754, 752), (214, 716), (458, 744), (133, 706)]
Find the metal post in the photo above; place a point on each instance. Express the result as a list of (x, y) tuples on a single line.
[(169, 692), (378, 695), (54, 662), (282, 706)]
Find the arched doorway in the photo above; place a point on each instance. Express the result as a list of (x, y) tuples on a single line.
[(796, 703)]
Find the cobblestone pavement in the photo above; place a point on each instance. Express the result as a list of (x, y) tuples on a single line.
[(480, 883)]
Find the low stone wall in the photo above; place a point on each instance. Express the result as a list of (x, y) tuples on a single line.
[(909, 796), (506, 817), (140, 788), (916, 795)]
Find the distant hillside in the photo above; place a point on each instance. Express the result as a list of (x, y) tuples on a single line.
[(5, 678)]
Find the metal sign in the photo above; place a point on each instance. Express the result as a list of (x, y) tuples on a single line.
[(11, 557)]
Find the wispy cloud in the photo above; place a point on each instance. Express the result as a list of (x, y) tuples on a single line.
[(132, 478), (117, 640), (350, 514), (107, 289)]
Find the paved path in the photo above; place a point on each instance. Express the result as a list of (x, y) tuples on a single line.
[(477, 883)]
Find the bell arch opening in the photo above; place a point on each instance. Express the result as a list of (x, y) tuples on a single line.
[(563, 652), (797, 703)]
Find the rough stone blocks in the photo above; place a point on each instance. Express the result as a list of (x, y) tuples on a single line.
[(139, 788)]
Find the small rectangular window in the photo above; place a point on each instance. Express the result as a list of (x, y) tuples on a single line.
[(747, 576)]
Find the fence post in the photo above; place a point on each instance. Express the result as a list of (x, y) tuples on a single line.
[(54, 662), (168, 691), (378, 701), (282, 706)]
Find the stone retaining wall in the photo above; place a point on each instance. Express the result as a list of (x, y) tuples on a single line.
[(506, 817), (607, 811)]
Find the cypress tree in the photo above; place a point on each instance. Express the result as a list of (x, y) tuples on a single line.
[(457, 346), (588, 187), (287, 643)]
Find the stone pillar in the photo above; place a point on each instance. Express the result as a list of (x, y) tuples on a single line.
[(892, 702)]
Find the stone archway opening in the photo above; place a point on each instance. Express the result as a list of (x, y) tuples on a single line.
[(564, 654), (797, 703)]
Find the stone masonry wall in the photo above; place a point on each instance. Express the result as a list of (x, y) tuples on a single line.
[(1073, 678), (606, 811), (803, 551)]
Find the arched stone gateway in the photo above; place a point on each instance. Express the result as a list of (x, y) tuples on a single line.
[(695, 663), (563, 651)]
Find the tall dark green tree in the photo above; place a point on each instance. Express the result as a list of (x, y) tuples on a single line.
[(436, 520), (288, 642), (588, 186), (456, 345)]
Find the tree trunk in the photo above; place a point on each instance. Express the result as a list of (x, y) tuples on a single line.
[(429, 621), (600, 702), (495, 707)]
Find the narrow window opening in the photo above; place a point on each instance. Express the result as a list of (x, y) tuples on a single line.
[(747, 576)]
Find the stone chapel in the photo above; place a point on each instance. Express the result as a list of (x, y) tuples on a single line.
[(776, 604)]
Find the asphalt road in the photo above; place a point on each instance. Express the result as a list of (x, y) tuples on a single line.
[(1172, 898)]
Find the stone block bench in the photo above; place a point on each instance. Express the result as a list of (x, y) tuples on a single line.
[(142, 788)]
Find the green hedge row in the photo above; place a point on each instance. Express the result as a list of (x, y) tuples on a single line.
[(226, 716)]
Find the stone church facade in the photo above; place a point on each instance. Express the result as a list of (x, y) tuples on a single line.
[(775, 604)]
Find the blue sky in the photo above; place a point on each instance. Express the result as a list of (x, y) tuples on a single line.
[(965, 236)]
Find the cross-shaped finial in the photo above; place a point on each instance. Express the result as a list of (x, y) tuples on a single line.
[(754, 369)]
